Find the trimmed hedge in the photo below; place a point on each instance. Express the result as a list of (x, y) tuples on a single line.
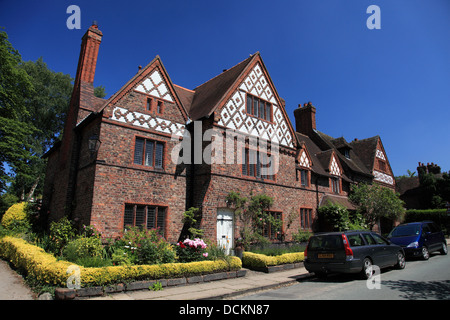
[(438, 216), (45, 268), (254, 260), (15, 213)]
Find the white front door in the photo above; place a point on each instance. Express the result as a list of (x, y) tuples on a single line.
[(225, 229)]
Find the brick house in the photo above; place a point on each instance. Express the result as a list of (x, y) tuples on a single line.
[(141, 173)]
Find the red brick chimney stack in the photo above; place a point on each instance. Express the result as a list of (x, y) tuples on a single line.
[(88, 55), (305, 119)]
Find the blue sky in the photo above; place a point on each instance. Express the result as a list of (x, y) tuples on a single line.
[(393, 82)]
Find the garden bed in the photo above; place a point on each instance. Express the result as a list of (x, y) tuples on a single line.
[(264, 263), (45, 268)]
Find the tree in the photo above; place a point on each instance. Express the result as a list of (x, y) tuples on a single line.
[(15, 90), (375, 202), (46, 112)]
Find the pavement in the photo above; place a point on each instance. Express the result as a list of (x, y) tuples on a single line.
[(215, 290), (12, 285)]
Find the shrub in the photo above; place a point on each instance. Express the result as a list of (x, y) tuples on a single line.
[(302, 236), (15, 217), (191, 250), (61, 233), (155, 252), (254, 260), (82, 248), (142, 247)]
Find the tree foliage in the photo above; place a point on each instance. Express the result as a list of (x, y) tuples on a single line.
[(253, 215), (15, 89), (374, 202)]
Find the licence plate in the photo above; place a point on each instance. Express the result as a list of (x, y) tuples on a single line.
[(325, 255)]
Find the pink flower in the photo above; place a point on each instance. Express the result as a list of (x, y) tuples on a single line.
[(205, 254)]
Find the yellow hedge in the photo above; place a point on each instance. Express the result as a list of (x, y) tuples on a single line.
[(45, 268), (15, 213), (250, 259)]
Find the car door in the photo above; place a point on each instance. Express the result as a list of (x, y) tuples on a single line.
[(434, 237), (375, 251), (388, 253)]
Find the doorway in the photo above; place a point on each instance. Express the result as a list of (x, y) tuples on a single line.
[(225, 229)]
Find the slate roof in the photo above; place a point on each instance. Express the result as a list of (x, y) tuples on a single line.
[(208, 95), (321, 146)]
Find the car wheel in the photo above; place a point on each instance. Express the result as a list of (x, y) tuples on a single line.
[(401, 262), (425, 253), (444, 248), (367, 270)]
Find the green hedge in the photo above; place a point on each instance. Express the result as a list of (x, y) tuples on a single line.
[(46, 269), (254, 260), (438, 216)]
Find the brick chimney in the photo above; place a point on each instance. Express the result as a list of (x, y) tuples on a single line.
[(305, 119), (87, 62)]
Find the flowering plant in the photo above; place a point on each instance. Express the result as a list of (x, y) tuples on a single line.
[(191, 250)]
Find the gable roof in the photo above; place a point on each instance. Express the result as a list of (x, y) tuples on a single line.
[(208, 94), (366, 150), (352, 163), (140, 77)]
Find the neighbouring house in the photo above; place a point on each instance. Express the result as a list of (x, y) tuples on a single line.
[(415, 193), (154, 149)]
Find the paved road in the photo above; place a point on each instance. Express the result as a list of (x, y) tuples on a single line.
[(420, 280)]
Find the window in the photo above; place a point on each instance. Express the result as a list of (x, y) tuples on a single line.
[(335, 185), (269, 231), (347, 153), (382, 165), (159, 107), (150, 217), (355, 240), (256, 164), (259, 108), (369, 239), (148, 153), (379, 239), (153, 104), (306, 218), (304, 178)]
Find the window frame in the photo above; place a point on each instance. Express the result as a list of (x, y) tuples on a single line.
[(268, 106), (306, 218), (253, 170), (160, 210), (157, 144), (335, 185), (267, 232)]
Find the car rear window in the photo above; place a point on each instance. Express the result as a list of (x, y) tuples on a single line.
[(326, 242), (405, 231)]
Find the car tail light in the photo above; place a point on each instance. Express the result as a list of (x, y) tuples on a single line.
[(305, 253), (348, 250)]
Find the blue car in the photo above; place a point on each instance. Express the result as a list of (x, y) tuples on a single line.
[(418, 239)]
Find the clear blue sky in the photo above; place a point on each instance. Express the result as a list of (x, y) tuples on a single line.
[(393, 82)]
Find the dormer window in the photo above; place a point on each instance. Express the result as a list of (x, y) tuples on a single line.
[(346, 153)]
